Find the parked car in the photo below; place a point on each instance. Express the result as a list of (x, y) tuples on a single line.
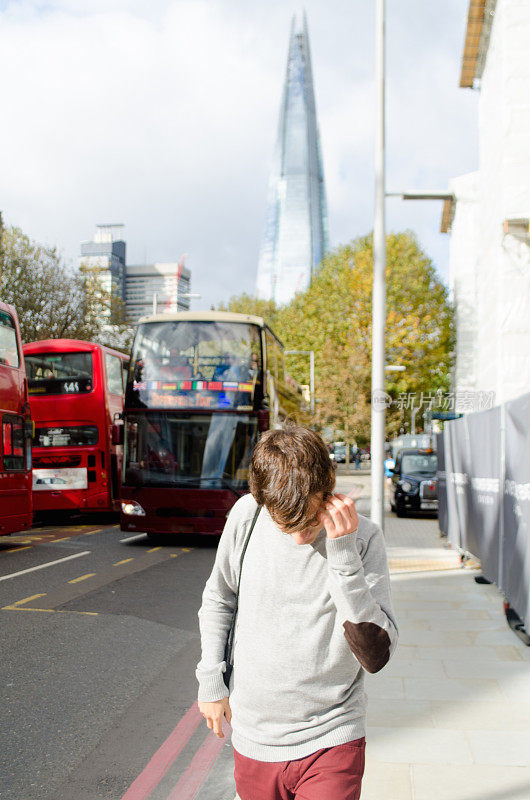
[(414, 486), (338, 454)]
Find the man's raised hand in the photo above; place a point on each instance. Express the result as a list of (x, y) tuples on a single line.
[(339, 516)]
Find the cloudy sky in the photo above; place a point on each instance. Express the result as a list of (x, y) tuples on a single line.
[(162, 114)]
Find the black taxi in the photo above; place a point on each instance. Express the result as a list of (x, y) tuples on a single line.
[(414, 487)]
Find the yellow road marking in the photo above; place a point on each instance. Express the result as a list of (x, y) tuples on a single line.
[(174, 555), (186, 549), (52, 611), (86, 613), (89, 533), (16, 608), (62, 540), (125, 561), (83, 577), (27, 599), (154, 549), (17, 549)]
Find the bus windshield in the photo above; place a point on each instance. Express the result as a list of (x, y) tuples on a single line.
[(195, 364), (59, 373), (200, 451)]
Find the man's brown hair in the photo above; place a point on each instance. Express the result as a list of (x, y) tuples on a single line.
[(288, 467)]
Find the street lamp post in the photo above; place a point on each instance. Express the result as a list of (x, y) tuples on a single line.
[(377, 448), (311, 354)]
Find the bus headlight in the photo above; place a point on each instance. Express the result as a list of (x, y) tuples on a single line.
[(132, 508)]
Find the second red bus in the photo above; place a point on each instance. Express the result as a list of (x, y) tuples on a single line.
[(76, 393)]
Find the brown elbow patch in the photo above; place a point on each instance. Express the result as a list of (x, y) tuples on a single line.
[(369, 643)]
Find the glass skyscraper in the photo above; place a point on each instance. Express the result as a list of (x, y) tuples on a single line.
[(296, 228)]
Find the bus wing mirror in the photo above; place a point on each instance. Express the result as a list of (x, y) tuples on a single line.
[(29, 429), (117, 433)]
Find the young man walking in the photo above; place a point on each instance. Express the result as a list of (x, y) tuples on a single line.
[(313, 613)]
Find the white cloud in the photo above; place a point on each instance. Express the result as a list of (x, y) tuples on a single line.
[(162, 115)]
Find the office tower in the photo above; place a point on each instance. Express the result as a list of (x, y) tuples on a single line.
[(296, 228), (164, 286), (106, 254)]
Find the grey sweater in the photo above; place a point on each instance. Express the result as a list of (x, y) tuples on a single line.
[(311, 618)]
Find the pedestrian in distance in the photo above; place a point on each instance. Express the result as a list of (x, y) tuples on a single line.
[(310, 594)]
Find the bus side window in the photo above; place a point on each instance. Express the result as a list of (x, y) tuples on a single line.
[(281, 363), (125, 372), (114, 374), (272, 356), (275, 357), (13, 441)]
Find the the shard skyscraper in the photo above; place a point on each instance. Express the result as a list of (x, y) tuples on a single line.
[(296, 229)]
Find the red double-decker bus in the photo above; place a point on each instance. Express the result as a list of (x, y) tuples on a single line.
[(200, 388), (76, 392), (16, 431)]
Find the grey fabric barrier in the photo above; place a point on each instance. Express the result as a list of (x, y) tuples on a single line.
[(441, 482), (483, 496), (455, 445), (487, 495), (515, 566)]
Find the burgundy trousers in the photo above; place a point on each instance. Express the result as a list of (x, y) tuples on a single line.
[(334, 773)]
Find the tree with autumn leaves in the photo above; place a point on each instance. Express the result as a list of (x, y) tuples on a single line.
[(334, 318), (54, 301)]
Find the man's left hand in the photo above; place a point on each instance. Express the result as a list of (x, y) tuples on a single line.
[(339, 516)]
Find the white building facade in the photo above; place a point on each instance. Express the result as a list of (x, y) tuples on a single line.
[(489, 218)]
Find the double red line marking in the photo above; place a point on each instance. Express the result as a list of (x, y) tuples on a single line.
[(198, 770)]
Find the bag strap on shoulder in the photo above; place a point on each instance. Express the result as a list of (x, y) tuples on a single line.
[(247, 540)]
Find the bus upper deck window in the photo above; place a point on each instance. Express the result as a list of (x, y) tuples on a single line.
[(8, 341)]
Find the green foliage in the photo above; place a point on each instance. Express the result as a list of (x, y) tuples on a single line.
[(334, 318), (247, 304), (53, 302)]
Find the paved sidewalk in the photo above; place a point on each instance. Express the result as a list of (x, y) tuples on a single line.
[(449, 716)]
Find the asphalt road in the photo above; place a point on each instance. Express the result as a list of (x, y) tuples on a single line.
[(99, 643), (99, 647)]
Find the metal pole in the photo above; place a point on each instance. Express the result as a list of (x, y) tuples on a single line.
[(155, 297), (312, 379), (377, 449), (413, 420)]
